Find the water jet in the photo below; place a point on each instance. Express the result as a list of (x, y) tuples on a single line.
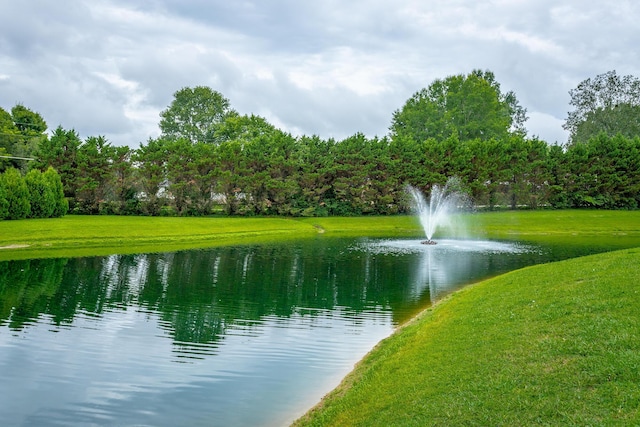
[(443, 202)]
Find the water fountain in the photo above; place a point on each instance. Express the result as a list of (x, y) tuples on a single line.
[(443, 202), (439, 269)]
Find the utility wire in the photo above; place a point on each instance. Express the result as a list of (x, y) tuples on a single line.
[(15, 157), (19, 134)]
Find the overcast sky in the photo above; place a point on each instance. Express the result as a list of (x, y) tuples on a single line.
[(329, 68)]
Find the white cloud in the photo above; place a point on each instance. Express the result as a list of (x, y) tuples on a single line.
[(547, 127)]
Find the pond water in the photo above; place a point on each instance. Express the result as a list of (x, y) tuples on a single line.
[(235, 336)]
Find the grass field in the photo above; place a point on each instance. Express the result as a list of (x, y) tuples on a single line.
[(101, 235), (548, 225)]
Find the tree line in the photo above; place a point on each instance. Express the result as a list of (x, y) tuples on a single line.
[(210, 159)]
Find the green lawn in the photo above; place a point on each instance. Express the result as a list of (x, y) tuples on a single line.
[(614, 228), (75, 235), (555, 344), (548, 225), (101, 235)]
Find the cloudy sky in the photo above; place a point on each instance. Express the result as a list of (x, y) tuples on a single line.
[(330, 68)]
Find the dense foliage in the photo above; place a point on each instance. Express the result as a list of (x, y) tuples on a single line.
[(36, 195), (22, 131), (607, 103), (275, 173), (210, 159), (470, 107), (195, 114)]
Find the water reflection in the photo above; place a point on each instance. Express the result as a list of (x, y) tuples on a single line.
[(448, 265), (226, 336), (201, 294)]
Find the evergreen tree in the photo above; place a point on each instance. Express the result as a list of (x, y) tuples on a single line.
[(95, 178), (151, 159), (17, 195), (123, 192), (61, 152), (4, 203), (41, 196), (55, 184)]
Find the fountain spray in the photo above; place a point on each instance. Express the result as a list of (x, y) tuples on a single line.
[(443, 202)]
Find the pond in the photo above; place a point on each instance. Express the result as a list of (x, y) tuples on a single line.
[(234, 336)]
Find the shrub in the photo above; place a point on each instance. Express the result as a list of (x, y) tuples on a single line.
[(41, 196), (61, 205), (17, 195)]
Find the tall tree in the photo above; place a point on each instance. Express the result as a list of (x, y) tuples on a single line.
[(20, 133), (469, 106), (180, 157), (27, 121), (195, 114), (358, 161), (94, 173), (151, 162), (604, 172), (557, 171), (317, 164), (229, 172), (9, 135), (607, 103), (32, 128), (123, 190), (244, 128), (281, 184), (60, 152), (204, 171)]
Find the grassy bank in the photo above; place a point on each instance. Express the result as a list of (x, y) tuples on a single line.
[(618, 228), (76, 235), (101, 235), (548, 226), (555, 344)]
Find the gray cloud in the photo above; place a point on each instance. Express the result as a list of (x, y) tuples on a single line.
[(331, 68)]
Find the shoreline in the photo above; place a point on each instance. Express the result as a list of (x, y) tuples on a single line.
[(519, 322)]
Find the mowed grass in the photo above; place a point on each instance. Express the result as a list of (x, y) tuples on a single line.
[(548, 225), (555, 344), (102, 235), (75, 235), (611, 228)]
